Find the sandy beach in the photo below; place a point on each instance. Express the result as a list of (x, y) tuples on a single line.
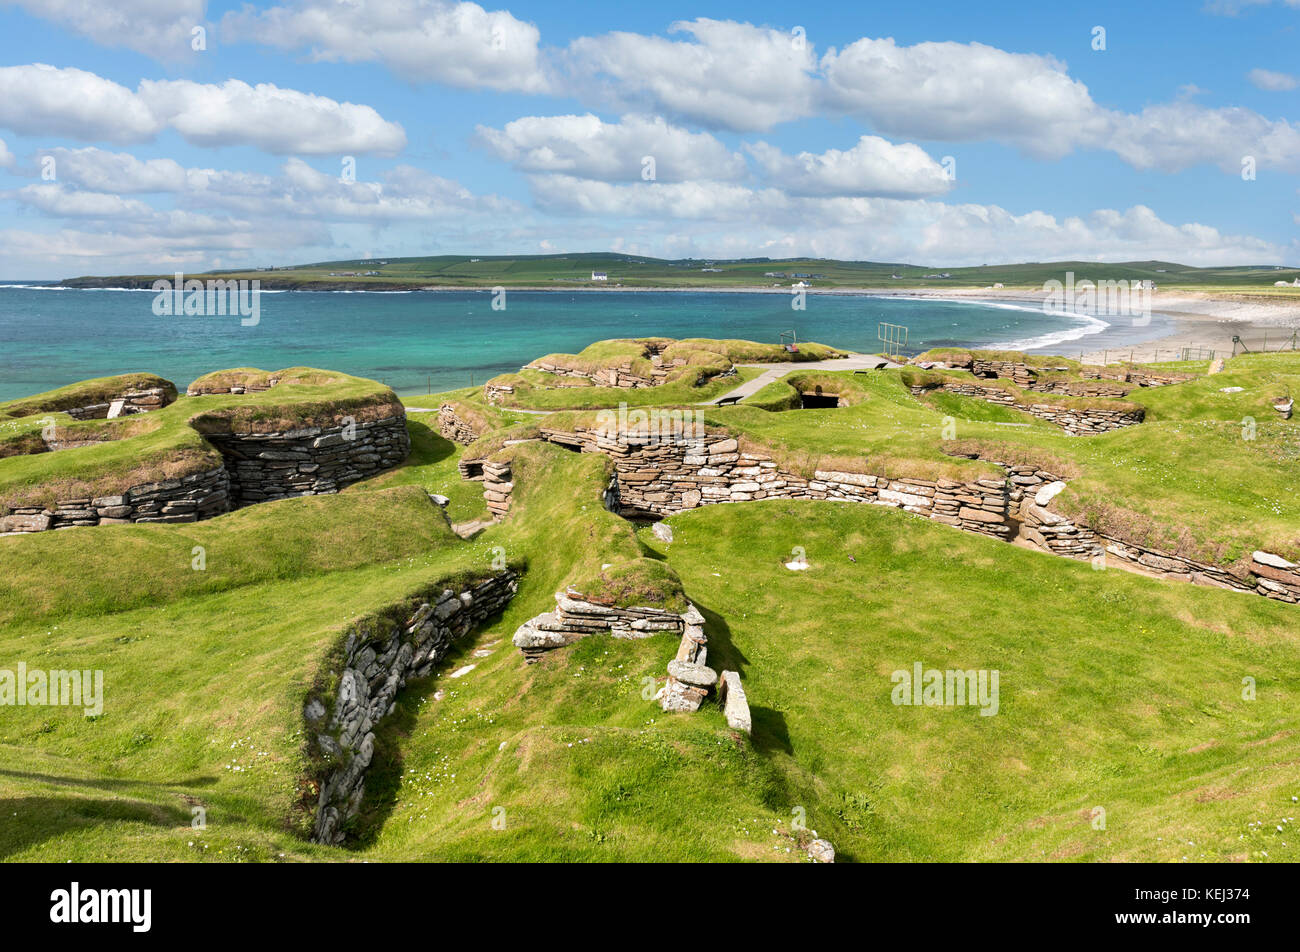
[(1203, 323)]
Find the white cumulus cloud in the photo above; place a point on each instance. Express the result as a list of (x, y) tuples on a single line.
[(459, 44), (637, 148), (276, 120), (874, 166), (45, 100), (727, 75), (158, 28), (1271, 81), (960, 92)]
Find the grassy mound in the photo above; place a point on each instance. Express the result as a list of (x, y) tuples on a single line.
[(963, 356), (169, 443), (694, 380), (786, 393), (83, 394), (534, 390), (934, 379), (120, 568), (753, 352)]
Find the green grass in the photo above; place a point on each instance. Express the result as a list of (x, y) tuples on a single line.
[(1114, 690), (432, 467), (1262, 378), (933, 379), (962, 354), (786, 393), (99, 570), (204, 671), (694, 381)]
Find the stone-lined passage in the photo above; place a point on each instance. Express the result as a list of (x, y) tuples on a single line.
[(660, 477), (375, 667), (1034, 490)]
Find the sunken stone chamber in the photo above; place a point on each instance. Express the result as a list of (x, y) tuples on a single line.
[(310, 460)]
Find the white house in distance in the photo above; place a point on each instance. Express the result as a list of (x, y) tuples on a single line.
[(599, 276)]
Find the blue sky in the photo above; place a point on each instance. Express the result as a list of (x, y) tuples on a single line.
[(943, 133)]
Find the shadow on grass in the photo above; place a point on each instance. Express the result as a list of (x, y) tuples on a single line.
[(723, 653), (770, 731), (427, 446), (107, 784), (771, 735), (32, 820)]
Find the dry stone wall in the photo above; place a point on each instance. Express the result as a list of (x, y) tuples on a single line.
[(690, 680), (1076, 421), (375, 667), (310, 460), (199, 388), (186, 499), (1096, 387), (1027, 377), (575, 617), (454, 427), (258, 467), (1032, 494), (1135, 375), (494, 392), (620, 375), (657, 478)]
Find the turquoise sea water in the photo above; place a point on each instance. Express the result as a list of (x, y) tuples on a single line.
[(418, 340)]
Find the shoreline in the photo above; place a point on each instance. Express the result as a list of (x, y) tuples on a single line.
[(1202, 321)]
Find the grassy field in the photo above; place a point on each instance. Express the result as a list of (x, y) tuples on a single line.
[(1115, 690), (574, 270)]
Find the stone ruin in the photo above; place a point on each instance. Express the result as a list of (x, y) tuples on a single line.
[(342, 727), (257, 467), (575, 617), (1074, 420), (124, 404), (620, 375)]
